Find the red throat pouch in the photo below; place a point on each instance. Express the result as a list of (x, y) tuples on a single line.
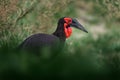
[(67, 31)]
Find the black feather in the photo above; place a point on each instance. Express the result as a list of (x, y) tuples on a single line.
[(37, 42)]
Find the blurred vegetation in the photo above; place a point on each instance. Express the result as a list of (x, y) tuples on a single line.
[(82, 56)]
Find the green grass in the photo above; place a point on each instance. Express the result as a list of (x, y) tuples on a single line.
[(85, 57), (90, 58)]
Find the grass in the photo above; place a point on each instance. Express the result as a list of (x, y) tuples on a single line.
[(84, 57), (99, 57)]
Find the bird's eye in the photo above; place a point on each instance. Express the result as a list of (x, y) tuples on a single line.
[(70, 21)]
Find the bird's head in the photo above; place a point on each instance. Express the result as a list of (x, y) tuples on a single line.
[(64, 29), (68, 23)]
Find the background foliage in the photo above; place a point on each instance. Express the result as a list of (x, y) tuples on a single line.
[(93, 55)]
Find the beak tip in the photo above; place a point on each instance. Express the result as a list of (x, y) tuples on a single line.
[(86, 31)]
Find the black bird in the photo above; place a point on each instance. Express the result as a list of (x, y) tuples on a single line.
[(56, 40)]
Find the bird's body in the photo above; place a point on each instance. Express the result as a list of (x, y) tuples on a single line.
[(56, 40), (37, 40)]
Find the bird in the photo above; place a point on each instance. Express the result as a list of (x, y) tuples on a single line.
[(56, 40)]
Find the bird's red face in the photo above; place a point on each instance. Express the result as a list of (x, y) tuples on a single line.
[(68, 23), (67, 28)]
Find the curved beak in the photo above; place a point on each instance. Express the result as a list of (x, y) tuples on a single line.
[(76, 24)]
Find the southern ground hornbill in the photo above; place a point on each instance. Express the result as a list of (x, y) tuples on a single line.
[(56, 40)]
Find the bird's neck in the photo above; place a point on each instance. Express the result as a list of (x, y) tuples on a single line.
[(60, 32)]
